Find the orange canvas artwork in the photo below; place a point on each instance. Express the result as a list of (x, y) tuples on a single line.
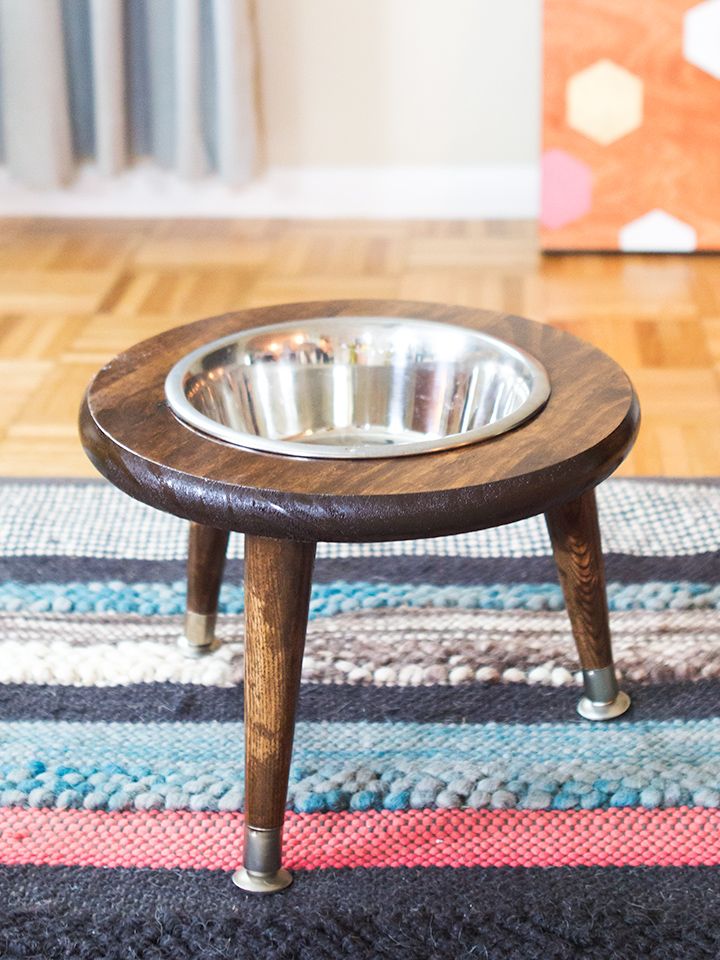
[(631, 125)]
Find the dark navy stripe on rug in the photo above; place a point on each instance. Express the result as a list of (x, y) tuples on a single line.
[(703, 567), (595, 913), (474, 703)]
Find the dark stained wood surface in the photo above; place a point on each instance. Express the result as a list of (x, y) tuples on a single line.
[(578, 439), (575, 536), (277, 594), (206, 561)]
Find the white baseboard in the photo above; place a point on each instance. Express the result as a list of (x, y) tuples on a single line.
[(510, 192)]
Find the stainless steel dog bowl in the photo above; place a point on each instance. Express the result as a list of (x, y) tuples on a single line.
[(356, 387)]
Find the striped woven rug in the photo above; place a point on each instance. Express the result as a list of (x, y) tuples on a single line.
[(445, 800)]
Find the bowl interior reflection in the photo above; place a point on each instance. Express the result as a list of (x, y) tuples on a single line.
[(356, 387)]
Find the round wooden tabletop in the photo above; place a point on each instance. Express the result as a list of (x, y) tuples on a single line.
[(577, 440)]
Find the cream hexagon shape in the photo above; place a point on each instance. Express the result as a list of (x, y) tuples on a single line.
[(657, 232), (604, 102), (701, 37)]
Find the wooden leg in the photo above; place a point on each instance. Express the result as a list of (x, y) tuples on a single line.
[(278, 576), (575, 536), (206, 561)]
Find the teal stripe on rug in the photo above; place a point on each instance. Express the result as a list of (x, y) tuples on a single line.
[(343, 596), (364, 765)]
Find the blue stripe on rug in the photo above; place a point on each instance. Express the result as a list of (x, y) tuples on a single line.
[(339, 766), (342, 596)]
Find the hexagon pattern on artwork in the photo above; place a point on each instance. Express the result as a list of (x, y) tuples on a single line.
[(566, 189), (657, 232), (701, 37), (604, 102)]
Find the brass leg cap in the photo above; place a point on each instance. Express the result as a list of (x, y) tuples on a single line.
[(262, 882), (591, 710)]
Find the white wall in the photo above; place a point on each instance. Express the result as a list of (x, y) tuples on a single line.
[(369, 108), (400, 82)]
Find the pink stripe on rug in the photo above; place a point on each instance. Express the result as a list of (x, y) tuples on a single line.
[(679, 836)]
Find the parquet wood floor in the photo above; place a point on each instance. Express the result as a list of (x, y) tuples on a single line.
[(74, 293)]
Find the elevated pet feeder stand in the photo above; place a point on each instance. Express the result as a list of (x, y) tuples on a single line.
[(357, 421)]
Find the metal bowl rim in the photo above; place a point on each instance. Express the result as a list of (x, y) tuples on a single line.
[(212, 429)]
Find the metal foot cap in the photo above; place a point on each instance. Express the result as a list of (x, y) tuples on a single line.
[(592, 710), (197, 650), (262, 882), (198, 637)]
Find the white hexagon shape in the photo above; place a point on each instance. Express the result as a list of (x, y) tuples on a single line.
[(657, 232), (701, 37), (604, 102)]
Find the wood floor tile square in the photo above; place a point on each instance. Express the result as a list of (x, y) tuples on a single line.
[(73, 293), (53, 291)]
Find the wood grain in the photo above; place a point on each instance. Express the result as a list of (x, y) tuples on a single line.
[(206, 561), (578, 439), (658, 317), (277, 595), (575, 536)]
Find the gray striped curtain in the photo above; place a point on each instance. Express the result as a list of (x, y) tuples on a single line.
[(113, 80)]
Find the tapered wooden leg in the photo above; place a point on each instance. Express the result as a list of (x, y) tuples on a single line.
[(575, 535), (278, 576), (206, 561)]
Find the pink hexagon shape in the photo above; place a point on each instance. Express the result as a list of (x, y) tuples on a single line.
[(566, 189)]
